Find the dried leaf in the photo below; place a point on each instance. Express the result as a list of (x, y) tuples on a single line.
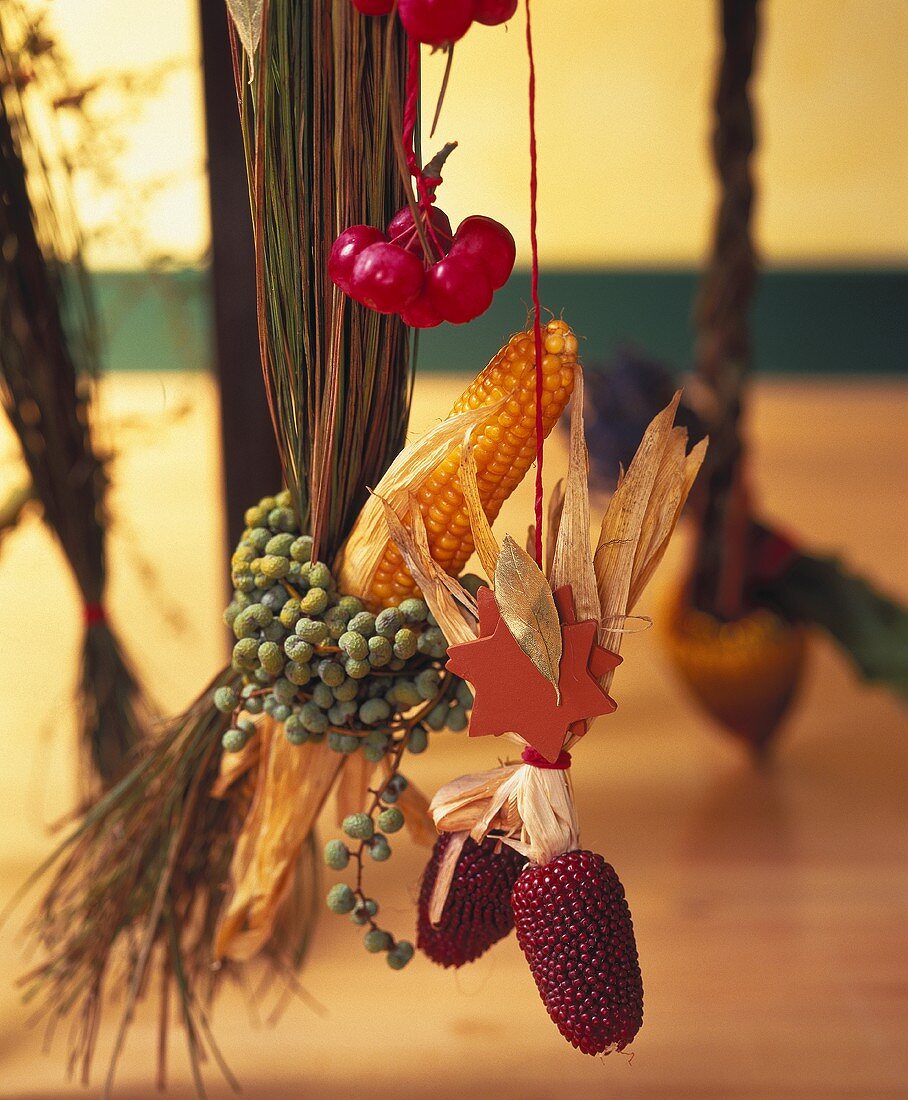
[(448, 601), (361, 553), (553, 526), (573, 558), (293, 783), (528, 608), (247, 17), (414, 806), (444, 876), (684, 479), (485, 542), (622, 524), (531, 809)]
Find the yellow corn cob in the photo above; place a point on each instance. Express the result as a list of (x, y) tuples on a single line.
[(504, 449), (745, 674)]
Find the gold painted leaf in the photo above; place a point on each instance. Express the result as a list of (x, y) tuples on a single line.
[(528, 608), (486, 544)]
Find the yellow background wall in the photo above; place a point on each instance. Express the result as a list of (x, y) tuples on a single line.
[(623, 108)]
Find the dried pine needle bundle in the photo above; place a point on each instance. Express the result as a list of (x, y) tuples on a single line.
[(539, 650), (48, 366)]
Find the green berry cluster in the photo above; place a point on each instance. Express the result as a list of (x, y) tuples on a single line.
[(318, 661), (367, 834)]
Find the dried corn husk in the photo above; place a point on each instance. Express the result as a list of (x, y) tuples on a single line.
[(361, 554), (486, 544), (292, 784)]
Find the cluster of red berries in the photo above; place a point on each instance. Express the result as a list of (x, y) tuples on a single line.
[(441, 22), (391, 273)]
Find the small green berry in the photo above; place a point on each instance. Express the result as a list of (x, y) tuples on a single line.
[(281, 519), (428, 682), (330, 673), (380, 850), (352, 605), (404, 644), (437, 718), (357, 670), (234, 740), (389, 821), (274, 567), (313, 718), (259, 537), (400, 955), (414, 610), (245, 653), (406, 694), (341, 898), (363, 623), (279, 545), (314, 602), (301, 550), (388, 622), (271, 657), (380, 651), (225, 699), (358, 826), (320, 575), (337, 855), (373, 711), (418, 740), (457, 719), (323, 696), (345, 691), (290, 614), (354, 645), (375, 940), (298, 672), (312, 630), (464, 694)]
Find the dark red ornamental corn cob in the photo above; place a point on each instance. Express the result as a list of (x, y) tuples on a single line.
[(575, 928), (477, 912)]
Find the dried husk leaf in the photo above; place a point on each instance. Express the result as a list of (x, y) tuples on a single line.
[(529, 808), (293, 783), (622, 525), (553, 526), (645, 568), (462, 802), (573, 558), (444, 876), (362, 552), (485, 542), (528, 608), (448, 600), (414, 805)]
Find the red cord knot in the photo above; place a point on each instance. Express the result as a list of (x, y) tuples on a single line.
[(94, 614), (537, 760)]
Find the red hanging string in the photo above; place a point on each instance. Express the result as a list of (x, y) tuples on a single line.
[(411, 110), (537, 324)]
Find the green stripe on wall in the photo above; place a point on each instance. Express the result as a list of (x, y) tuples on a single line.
[(806, 321)]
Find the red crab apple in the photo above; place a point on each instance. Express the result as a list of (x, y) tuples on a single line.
[(401, 230), (420, 313), (436, 22), (386, 278), (488, 243), (345, 251), (493, 12), (459, 288)]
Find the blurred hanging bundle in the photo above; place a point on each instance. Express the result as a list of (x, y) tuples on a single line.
[(736, 627), (49, 362)]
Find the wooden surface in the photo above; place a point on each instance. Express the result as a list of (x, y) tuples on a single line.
[(770, 906)]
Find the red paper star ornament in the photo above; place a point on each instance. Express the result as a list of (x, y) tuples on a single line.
[(512, 695)]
